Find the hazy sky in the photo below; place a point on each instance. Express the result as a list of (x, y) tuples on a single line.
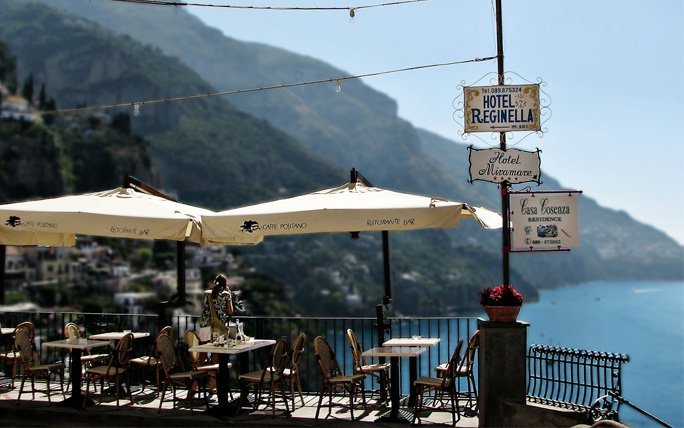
[(612, 70)]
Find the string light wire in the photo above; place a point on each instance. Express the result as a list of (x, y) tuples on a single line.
[(336, 80), (298, 8)]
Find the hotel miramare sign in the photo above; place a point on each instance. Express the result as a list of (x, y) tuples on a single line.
[(496, 166), (502, 108)]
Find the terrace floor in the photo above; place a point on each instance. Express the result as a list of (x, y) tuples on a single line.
[(144, 412)]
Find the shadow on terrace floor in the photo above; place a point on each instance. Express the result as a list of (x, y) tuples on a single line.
[(39, 413)]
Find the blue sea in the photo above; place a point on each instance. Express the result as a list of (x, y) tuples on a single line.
[(644, 320)]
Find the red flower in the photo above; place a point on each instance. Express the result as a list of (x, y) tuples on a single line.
[(500, 295)]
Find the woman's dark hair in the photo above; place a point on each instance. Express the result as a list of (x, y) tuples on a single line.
[(220, 284)]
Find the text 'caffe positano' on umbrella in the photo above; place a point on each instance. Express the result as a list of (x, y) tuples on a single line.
[(119, 213), (352, 207)]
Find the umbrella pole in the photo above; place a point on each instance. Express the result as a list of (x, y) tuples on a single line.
[(3, 256), (387, 299), (134, 183), (180, 270)]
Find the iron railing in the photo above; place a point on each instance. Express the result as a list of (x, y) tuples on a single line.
[(573, 378), (49, 326)]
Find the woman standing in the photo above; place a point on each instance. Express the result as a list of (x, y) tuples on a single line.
[(217, 309)]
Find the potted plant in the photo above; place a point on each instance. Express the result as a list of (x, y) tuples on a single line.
[(502, 303)]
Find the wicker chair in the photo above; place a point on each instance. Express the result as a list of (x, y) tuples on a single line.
[(117, 369), (200, 361), (146, 363), (271, 376), (31, 365), (445, 384), (466, 370), (176, 376), (291, 373), (12, 355), (333, 378), (379, 371)]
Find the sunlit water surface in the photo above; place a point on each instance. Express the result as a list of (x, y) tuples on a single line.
[(644, 320)]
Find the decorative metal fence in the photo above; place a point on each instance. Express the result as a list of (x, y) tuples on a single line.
[(49, 326), (572, 378)]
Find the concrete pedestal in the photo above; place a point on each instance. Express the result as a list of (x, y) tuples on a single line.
[(501, 369)]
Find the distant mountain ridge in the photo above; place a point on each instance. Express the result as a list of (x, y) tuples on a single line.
[(360, 127), (214, 154)]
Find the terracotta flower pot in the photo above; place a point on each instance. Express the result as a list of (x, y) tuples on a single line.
[(502, 313)]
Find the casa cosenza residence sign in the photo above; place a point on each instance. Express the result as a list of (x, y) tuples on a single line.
[(544, 220), (501, 108), (497, 166)]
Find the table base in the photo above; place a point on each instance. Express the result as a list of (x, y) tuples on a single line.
[(76, 402), (400, 416), (244, 403)]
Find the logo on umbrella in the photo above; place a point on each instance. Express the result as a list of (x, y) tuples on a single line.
[(250, 226), (13, 221)]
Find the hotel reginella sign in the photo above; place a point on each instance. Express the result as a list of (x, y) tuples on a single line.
[(544, 220), (501, 108)]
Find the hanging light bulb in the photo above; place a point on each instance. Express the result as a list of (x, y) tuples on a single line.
[(136, 109), (338, 86), (352, 13)]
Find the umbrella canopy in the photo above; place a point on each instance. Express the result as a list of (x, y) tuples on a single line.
[(353, 207), (119, 213)]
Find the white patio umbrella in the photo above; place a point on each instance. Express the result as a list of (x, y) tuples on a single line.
[(123, 212), (119, 213), (352, 207)]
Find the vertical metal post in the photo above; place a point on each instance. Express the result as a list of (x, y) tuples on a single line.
[(505, 198), (387, 299), (3, 257), (180, 271)]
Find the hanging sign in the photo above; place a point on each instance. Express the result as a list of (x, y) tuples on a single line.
[(501, 108), (544, 220), (512, 165)]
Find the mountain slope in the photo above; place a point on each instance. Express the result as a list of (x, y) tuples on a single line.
[(359, 127), (228, 155), (356, 127)]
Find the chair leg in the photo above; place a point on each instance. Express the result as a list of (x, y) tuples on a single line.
[(292, 391), (320, 400), (47, 384), (14, 371), (272, 397), (352, 393), (472, 379), (284, 395), (33, 386), (87, 390), (419, 404), (330, 401), (363, 397), (161, 399), (61, 382), (191, 395), (128, 386), (299, 387), (206, 394), (21, 388)]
